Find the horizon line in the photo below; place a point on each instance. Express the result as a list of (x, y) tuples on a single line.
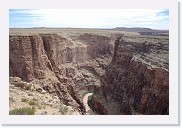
[(85, 28)]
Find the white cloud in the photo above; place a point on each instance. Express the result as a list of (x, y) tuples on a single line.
[(93, 18)]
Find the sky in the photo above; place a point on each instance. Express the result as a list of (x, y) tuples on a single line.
[(89, 18)]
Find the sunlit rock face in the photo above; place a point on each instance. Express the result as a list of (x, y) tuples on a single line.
[(31, 55), (61, 66)]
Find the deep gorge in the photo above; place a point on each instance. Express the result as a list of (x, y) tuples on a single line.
[(128, 74)]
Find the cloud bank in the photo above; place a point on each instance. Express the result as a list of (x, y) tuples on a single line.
[(89, 18)]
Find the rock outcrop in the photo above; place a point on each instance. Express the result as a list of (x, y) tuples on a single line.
[(44, 59), (31, 55), (27, 57), (27, 95), (132, 85)]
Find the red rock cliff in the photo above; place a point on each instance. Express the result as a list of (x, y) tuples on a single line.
[(38, 57), (31, 55), (132, 85), (27, 57)]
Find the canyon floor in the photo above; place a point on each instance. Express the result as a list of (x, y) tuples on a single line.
[(56, 71)]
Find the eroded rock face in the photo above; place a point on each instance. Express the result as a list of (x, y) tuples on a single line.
[(97, 45), (27, 57), (128, 76), (44, 59), (31, 55), (133, 85)]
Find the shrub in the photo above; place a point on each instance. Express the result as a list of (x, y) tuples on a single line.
[(32, 102), (63, 110), (11, 99), (24, 100), (27, 87), (22, 111), (30, 94)]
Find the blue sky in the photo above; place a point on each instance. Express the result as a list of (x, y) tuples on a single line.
[(89, 18)]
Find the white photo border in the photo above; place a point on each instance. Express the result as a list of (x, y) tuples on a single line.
[(171, 119)]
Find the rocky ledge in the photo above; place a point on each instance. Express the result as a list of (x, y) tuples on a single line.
[(133, 83)]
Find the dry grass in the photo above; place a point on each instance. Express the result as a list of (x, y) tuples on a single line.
[(23, 111)]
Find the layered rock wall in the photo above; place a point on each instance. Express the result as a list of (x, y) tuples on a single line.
[(31, 55), (97, 45), (27, 57), (37, 58), (133, 85), (135, 82)]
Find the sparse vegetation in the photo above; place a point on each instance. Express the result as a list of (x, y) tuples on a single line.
[(41, 107), (11, 99), (18, 84), (23, 111), (28, 87), (24, 100), (63, 110), (30, 94), (32, 102)]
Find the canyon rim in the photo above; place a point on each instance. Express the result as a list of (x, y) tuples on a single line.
[(88, 71)]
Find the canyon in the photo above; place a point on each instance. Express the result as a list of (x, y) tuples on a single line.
[(127, 73)]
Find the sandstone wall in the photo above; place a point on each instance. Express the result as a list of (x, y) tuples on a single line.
[(97, 45), (27, 57), (136, 86), (135, 82), (31, 55), (37, 59)]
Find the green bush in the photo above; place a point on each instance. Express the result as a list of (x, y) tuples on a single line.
[(23, 111)]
